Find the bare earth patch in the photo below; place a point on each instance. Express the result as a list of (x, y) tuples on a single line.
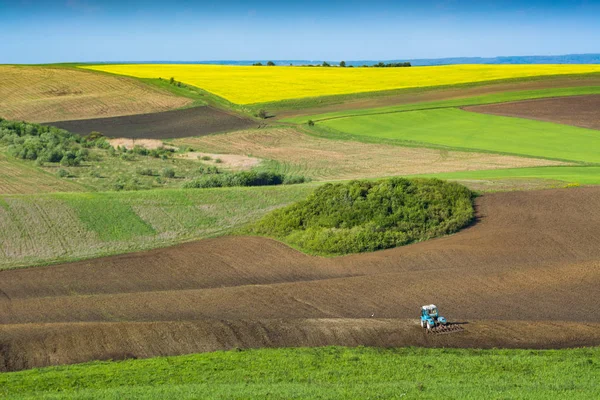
[(234, 161), (335, 159), (43, 94), (582, 111), (149, 144)]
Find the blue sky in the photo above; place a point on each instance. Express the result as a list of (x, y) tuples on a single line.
[(94, 30)]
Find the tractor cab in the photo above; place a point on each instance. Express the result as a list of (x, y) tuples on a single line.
[(430, 317)]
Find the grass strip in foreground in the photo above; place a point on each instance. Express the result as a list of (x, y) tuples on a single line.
[(323, 373)]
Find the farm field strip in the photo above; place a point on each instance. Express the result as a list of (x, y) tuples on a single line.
[(250, 85), (462, 130), (484, 99), (43, 94), (293, 152), (69, 226), (582, 111), (326, 373), (583, 175), (240, 292), (19, 177)]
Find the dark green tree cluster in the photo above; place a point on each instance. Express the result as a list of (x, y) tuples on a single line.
[(367, 216), (47, 144), (392, 65), (243, 178)]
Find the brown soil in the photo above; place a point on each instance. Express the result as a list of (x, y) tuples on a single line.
[(436, 94), (196, 121), (149, 144), (43, 94), (526, 275), (583, 111)]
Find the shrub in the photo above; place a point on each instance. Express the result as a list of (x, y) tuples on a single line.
[(145, 172), (218, 160), (206, 158), (311, 122), (62, 173), (243, 178), (271, 64), (168, 173), (367, 216), (262, 114), (127, 157), (208, 169)]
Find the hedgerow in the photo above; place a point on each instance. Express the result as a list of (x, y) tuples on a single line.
[(243, 178), (364, 216)]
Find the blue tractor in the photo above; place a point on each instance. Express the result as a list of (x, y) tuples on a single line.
[(430, 318)]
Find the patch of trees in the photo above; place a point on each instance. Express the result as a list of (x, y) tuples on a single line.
[(391, 65), (173, 82), (29, 141), (364, 216), (216, 179)]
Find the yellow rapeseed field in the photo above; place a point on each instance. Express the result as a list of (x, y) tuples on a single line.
[(248, 85)]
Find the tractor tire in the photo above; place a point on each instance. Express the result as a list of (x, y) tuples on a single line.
[(423, 324), (429, 326)]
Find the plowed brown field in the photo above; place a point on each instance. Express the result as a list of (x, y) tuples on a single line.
[(436, 94), (527, 274), (583, 111)]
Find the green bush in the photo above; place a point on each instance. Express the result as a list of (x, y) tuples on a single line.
[(208, 170), (367, 216), (145, 172), (244, 178), (62, 173), (168, 173), (47, 143)]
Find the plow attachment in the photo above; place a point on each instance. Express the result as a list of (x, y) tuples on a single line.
[(445, 329)]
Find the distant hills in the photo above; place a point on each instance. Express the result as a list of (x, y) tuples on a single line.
[(562, 59)]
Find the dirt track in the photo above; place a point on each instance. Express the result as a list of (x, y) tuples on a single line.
[(526, 275), (196, 121), (583, 111)]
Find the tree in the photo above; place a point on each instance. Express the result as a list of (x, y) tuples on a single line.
[(342, 64), (258, 64), (326, 64), (271, 64)]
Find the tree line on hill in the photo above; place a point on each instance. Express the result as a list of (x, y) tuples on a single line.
[(344, 65)]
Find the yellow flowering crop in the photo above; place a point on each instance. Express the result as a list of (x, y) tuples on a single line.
[(248, 85)]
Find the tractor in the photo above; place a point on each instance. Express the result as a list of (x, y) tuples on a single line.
[(430, 317)]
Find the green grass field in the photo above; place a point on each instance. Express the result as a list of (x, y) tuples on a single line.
[(461, 102), (458, 129), (69, 226), (589, 175), (323, 373)]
